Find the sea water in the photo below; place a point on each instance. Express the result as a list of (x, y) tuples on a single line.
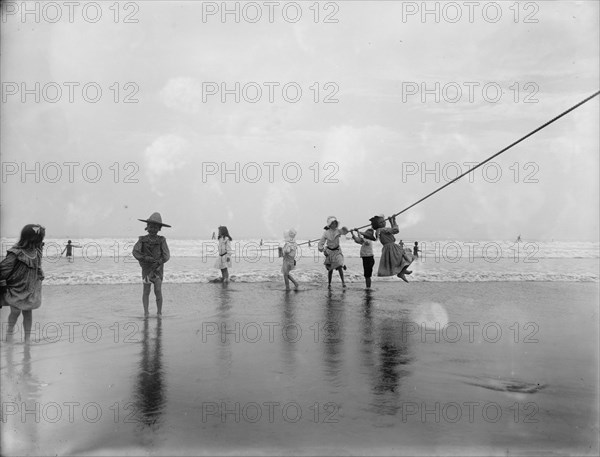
[(109, 261)]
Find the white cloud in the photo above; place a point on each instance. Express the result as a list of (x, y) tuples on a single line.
[(408, 219), (86, 212), (280, 208), (166, 154), (182, 94)]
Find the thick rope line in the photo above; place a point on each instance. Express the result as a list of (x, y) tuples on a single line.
[(564, 113)]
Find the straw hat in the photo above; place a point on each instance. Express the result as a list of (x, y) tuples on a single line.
[(331, 220), (289, 235), (155, 219)]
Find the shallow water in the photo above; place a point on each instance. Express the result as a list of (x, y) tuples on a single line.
[(423, 368), (109, 261)]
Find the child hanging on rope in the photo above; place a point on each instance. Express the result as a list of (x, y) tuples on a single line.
[(366, 239), (394, 260), (330, 246), (289, 258)]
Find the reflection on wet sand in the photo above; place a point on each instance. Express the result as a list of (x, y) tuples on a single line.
[(225, 353), (367, 340), (150, 387), (291, 331), (394, 356), (332, 335), (22, 389), (387, 342)]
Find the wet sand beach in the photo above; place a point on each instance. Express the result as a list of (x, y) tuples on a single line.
[(490, 368)]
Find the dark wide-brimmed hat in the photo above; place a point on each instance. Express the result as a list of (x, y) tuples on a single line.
[(369, 234), (377, 221), (155, 219)]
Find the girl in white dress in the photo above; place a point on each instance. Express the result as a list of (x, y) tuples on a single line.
[(330, 246), (224, 253), (289, 258)]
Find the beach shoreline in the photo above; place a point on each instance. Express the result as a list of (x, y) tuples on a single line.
[(227, 367)]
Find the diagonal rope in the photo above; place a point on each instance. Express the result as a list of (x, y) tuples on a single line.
[(564, 113)]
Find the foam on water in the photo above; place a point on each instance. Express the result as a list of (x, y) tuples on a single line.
[(109, 261)]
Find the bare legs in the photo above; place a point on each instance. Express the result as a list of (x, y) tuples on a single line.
[(12, 320), (330, 276), (287, 278), (225, 275), (157, 294), (405, 271)]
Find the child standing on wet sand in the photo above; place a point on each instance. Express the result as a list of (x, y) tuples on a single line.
[(330, 246), (223, 262), (21, 269), (366, 252), (289, 258), (152, 252)]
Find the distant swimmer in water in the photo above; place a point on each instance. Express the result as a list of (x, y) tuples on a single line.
[(416, 249), (69, 249), (401, 244), (518, 239), (261, 242)]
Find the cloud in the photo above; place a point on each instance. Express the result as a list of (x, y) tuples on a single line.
[(86, 212), (280, 208), (182, 94), (166, 154), (408, 219)]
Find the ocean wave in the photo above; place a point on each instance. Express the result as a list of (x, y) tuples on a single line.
[(313, 276), (93, 248)]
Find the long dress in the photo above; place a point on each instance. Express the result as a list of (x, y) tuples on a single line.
[(330, 245), (393, 258), (289, 256), (224, 253), (22, 271)]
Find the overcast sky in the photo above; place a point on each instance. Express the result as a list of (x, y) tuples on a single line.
[(370, 148)]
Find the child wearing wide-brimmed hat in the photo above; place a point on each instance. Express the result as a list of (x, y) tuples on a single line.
[(289, 258), (330, 246), (366, 239), (152, 252)]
